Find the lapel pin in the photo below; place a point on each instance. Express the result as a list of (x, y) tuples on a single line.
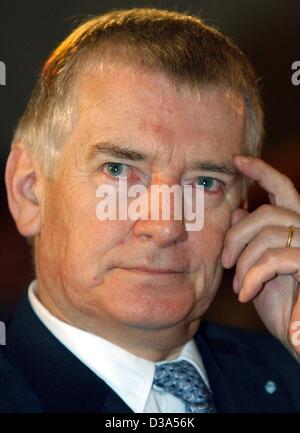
[(270, 387)]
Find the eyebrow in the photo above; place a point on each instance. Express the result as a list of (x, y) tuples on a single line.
[(223, 167), (121, 151), (116, 150)]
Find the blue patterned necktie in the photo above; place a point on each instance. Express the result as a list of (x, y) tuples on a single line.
[(182, 380)]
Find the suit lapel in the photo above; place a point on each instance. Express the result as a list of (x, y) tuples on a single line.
[(61, 381), (239, 376), (222, 393)]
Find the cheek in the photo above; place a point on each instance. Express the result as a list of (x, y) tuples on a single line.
[(205, 248), (207, 243), (217, 220), (74, 241)]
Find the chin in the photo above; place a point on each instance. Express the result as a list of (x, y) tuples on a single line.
[(156, 315)]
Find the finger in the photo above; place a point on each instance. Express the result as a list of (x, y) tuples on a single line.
[(236, 216), (243, 232), (294, 327), (267, 239), (274, 262), (280, 188)]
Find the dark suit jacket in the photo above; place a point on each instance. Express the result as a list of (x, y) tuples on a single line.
[(38, 374)]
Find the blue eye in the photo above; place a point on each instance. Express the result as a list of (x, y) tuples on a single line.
[(116, 169), (209, 183)]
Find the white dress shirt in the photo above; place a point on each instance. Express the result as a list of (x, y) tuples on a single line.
[(109, 362)]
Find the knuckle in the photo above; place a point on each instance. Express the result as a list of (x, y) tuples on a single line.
[(297, 275), (269, 257), (268, 233), (287, 182), (265, 210)]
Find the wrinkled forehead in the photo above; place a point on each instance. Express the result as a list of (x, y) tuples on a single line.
[(143, 107)]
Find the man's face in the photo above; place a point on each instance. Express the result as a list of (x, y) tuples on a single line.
[(86, 267)]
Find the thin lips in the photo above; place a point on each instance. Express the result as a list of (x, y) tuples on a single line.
[(157, 270)]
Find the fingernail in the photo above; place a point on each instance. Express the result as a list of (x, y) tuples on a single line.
[(236, 284)]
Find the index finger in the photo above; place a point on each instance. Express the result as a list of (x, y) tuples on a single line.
[(280, 188)]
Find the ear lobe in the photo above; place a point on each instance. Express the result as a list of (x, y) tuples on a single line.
[(22, 176)]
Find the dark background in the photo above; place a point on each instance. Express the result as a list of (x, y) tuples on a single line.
[(268, 31)]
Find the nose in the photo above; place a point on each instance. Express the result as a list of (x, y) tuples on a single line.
[(162, 223)]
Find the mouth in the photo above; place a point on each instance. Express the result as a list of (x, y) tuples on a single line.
[(153, 271)]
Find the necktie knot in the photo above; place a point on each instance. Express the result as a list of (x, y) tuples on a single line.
[(182, 380)]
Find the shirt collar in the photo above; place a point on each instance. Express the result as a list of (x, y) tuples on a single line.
[(109, 361)]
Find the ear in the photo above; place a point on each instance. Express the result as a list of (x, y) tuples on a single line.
[(23, 179)]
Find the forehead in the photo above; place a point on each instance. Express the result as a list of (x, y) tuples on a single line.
[(145, 108)]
